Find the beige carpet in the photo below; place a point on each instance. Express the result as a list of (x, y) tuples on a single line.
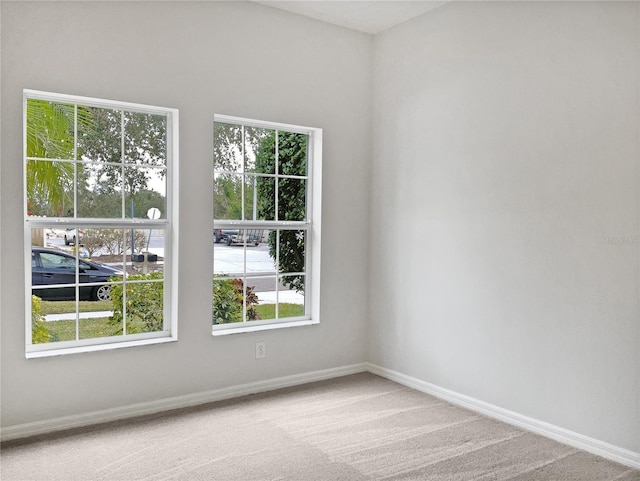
[(358, 427)]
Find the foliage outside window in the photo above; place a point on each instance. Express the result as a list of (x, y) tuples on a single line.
[(266, 223), (99, 214)]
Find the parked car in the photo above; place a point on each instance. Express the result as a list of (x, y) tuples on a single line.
[(52, 267), (220, 235), (242, 236), (71, 236)]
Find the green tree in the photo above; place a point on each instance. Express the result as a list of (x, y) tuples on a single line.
[(112, 136), (49, 133), (227, 147), (102, 133), (291, 198), (234, 155), (227, 197)]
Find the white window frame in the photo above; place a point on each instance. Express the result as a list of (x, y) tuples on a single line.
[(169, 225), (312, 225)]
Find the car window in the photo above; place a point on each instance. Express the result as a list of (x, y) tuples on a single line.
[(34, 262), (86, 267), (49, 259)]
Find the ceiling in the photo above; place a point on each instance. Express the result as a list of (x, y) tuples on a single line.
[(369, 16)]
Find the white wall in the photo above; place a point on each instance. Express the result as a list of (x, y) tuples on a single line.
[(202, 58), (506, 157)]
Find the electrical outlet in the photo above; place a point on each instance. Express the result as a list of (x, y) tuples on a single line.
[(261, 350)]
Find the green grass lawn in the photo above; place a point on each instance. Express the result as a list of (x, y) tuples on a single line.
[(268, 311), (61, 307), (100, 326), (89, 328)]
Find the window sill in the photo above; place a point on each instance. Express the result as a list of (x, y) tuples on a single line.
[(98, 347), (263, 327)]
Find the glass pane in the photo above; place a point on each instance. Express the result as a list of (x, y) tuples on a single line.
[(227, 150), (99, 191), (68, 276), (240, 237), (99, 245), (250, 198), (99, 134), (259, 260), (291, 252), (259, 150), (52, 320), (41, 237), (292, 153), (292, 199), (135, 237), (228, 259), (96, 319), (291, 300), (50, 188), (146, 193), (261, 297), (145, 139), (227, 300), (227, 197), (149, 251), (259, 198), (144, 303), (51, 267), (50, 130), (106, 246), (50, 237)]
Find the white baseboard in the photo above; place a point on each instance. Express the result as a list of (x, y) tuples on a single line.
[(152, 407), (600, 448), (585, 443)]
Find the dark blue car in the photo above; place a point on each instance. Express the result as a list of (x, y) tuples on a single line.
[(50, 267)]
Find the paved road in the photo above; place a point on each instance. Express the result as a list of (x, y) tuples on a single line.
[(229, 260)]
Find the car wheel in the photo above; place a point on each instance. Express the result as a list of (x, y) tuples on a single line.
[(102, 293), (66, 241)]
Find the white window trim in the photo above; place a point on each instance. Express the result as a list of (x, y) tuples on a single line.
[(314, 237), (168, 225)]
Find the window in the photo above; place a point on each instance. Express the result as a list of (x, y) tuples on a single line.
[(266, 207), (100, 217)]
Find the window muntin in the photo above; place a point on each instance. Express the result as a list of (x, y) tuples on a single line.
[(265, 218), (98, 180)]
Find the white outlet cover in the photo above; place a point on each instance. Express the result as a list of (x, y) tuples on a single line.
[(261, 350)]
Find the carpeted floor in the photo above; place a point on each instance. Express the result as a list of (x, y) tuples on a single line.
[(354, 428)]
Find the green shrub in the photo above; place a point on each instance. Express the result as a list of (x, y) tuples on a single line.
[(144, 303), (227, 301), (39, 331), (291, 159)]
